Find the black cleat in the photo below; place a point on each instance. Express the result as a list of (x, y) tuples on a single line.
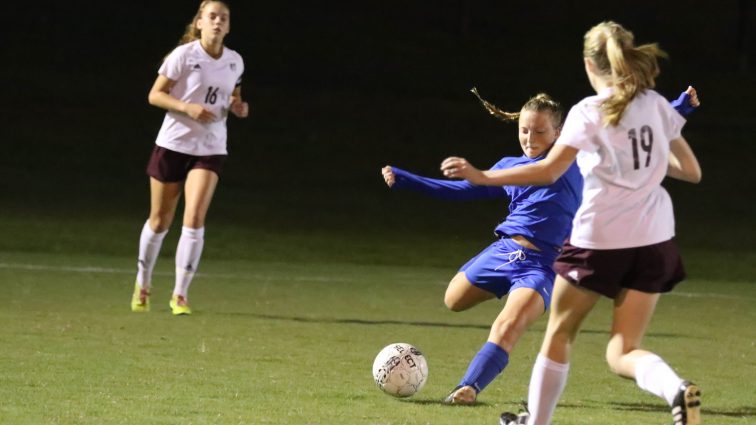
[(508, 418), (686, 408)]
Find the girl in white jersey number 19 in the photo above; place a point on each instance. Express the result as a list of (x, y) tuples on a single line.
[(198, 84), (625, 139)]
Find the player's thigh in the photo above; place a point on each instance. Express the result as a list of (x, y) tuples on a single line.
[(461, 294), (633, 311), (198, 193), (164, 199), (570, 305)]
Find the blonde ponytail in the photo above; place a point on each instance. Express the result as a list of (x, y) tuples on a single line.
[(632, 69), (541, 102), (493, 110)]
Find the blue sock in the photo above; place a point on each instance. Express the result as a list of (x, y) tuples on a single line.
[(485, 366)]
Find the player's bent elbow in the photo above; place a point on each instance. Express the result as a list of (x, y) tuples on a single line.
[(152, 99), (693, 176)]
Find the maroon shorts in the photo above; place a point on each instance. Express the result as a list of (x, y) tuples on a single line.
[(653, 268), (170, 166)]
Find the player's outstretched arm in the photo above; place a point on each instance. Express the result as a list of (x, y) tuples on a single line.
[(455, 167), (396, 178), (541, 173)]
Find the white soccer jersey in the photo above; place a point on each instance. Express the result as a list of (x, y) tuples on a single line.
[(624, 204), (199, 78)]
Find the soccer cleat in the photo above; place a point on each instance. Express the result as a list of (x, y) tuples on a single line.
[(461, 394), (179, 306), (508, 418), (140, 300), (686, 408)]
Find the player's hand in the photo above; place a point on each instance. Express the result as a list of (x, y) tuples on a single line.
[(694, 102), (458, 168), (388, 175), (687, 102), (239, 108), (197, 112)]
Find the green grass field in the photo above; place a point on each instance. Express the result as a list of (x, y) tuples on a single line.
[(292, 341), (311, 267)]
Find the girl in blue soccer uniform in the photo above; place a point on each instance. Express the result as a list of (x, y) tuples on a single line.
[(519, 262)]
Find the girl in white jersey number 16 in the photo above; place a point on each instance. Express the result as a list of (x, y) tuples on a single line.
[(626, 140), (198, 84)]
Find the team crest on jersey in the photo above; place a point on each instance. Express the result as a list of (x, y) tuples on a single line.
[(233, 66), (196, 67)]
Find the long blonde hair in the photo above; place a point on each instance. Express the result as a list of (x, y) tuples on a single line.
[(191, 32), (633, 69), (541, 102)]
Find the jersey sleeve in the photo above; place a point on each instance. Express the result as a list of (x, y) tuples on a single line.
[(241, 71), (453, 190), (173, 65), (579, 128), (674, 121)]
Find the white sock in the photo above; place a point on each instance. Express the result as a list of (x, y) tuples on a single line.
[(655, 376), (546, 385), (149, 249), (187, 258)]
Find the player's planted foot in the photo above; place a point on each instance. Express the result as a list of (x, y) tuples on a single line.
[(461, 394), (686, 408), (179, 306), (140, 300)]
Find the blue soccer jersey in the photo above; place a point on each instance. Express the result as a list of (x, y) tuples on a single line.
[(542, 214)]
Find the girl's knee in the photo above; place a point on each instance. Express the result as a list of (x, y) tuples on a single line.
[(508, 325), (194, 223), (507, 331), (456, 296), (613, 361), (616, 356), (560, 340), (160, 223), (453, 302), (193, 219)]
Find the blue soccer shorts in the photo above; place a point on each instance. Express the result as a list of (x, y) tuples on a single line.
[(505, 265)]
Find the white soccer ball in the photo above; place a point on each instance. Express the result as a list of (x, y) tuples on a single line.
[(400, 370)]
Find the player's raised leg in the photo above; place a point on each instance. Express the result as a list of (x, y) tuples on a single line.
[(632, 313)]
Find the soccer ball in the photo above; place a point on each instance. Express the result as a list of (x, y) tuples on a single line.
[(400, 370)]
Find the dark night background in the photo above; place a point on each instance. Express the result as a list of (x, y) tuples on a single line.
[(339, 89)]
